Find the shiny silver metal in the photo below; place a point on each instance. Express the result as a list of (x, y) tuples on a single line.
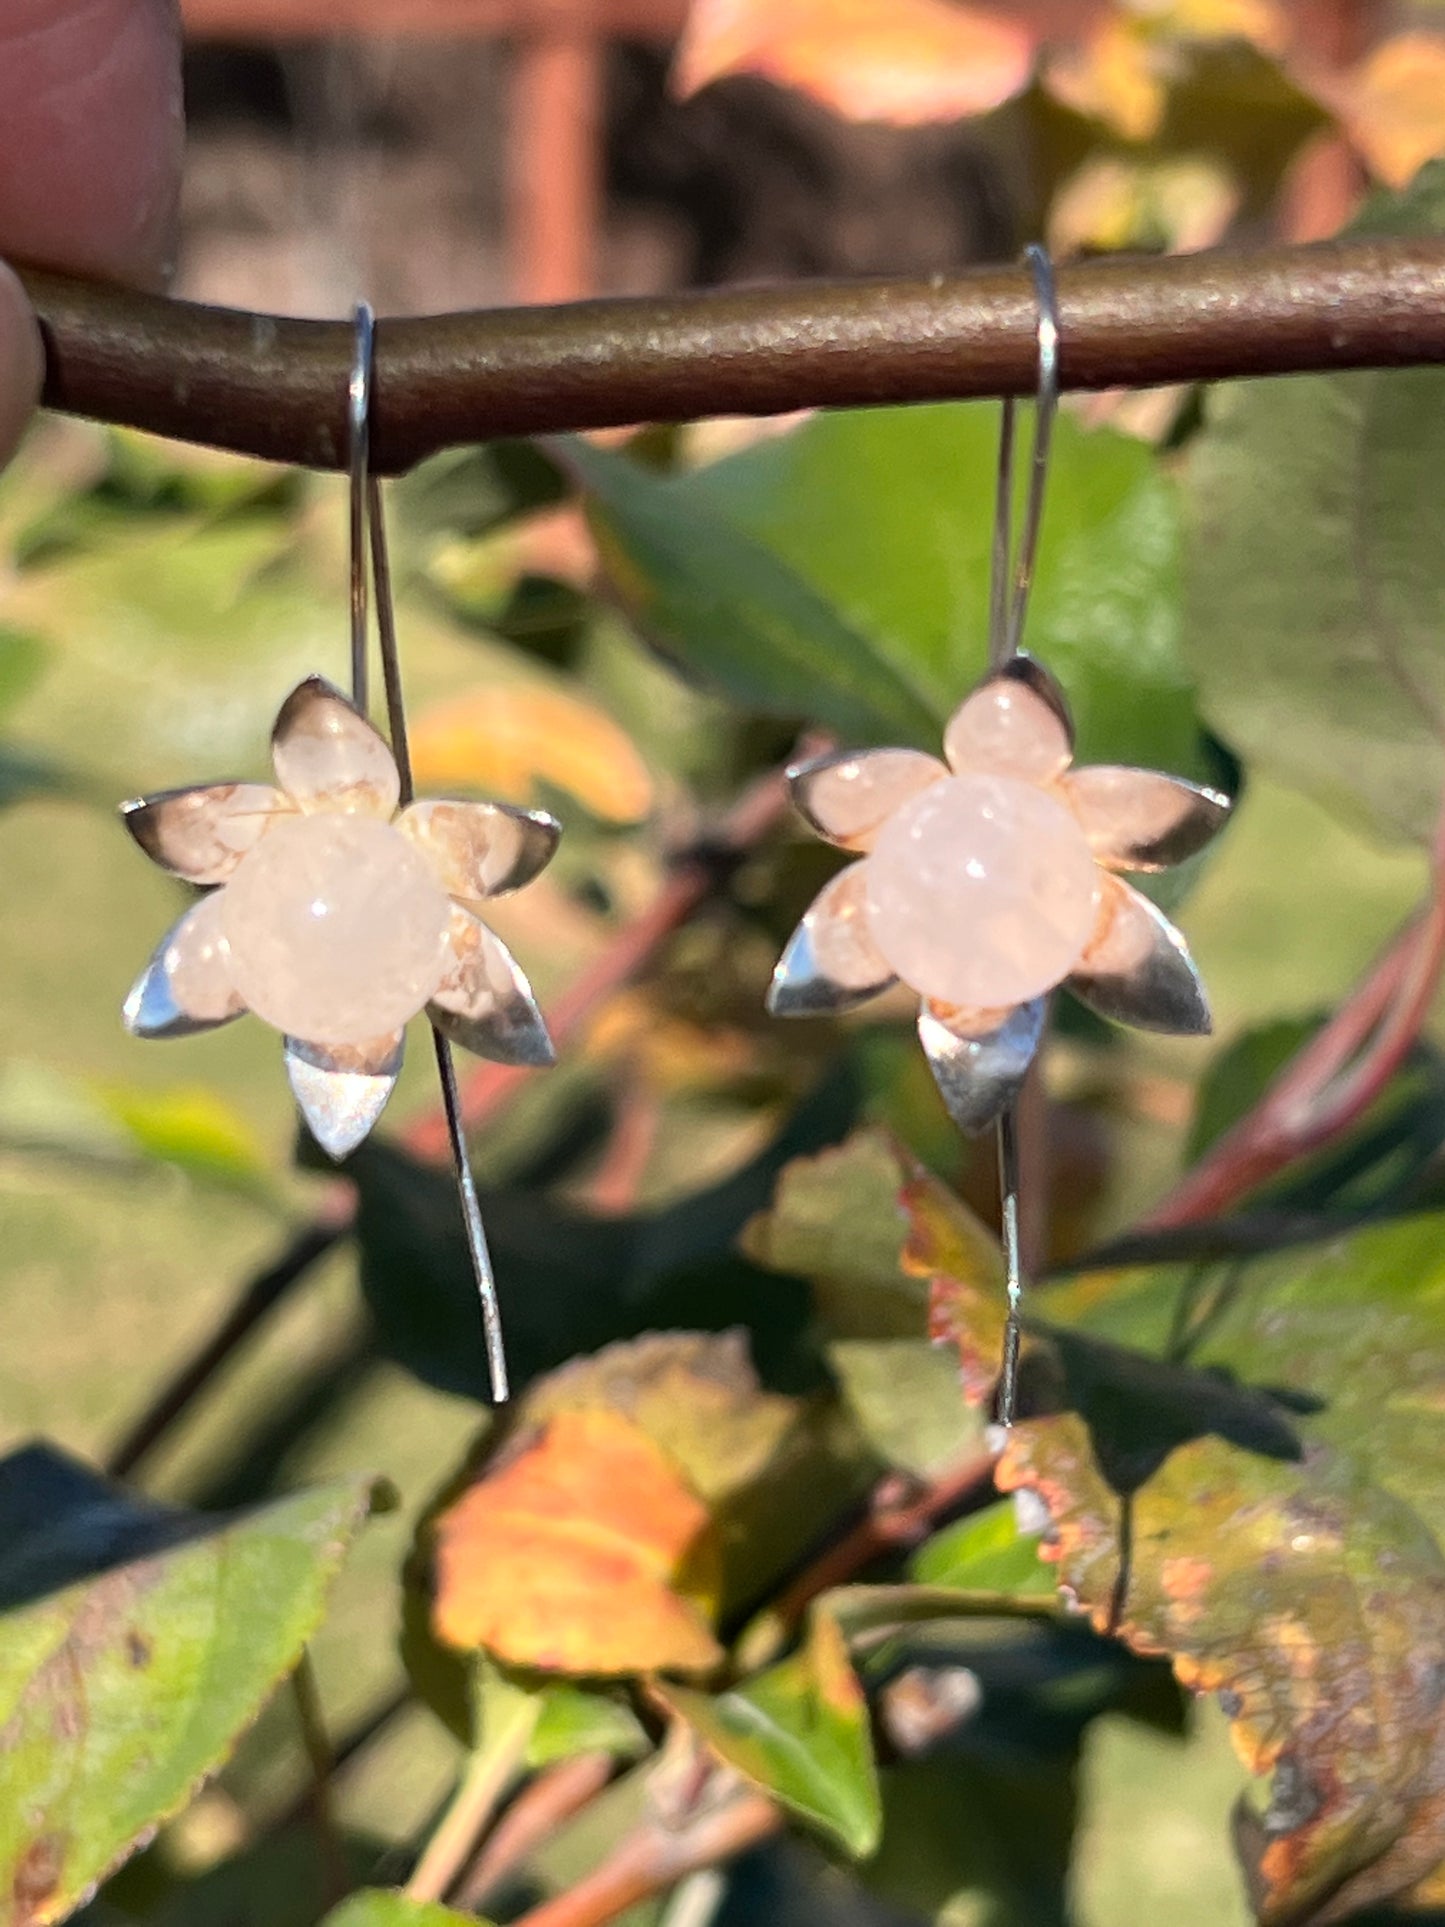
[(341, 1090), (1028, 670), (1139, 971), (879, 779), (151, 1010), (201, 833), (1006, 627), (1143, 819), (1007, 610), (979, 1074), (803, 985), (482, 850), (369, 545), (491, 1010), (358, 425)]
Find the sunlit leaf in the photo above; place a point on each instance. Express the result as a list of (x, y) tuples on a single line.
[(192, 1128), (22, 657), (1114, 75), (984, 1553), (1282, 1545), (507, 741), (136, 1644), (904, 61), (573, 1720), (905, 1395), (581, 1551), (837, 573), (838, 1220), (800, 1732), (1115, 204), (387, 1907), (1395, 105), (1314, 579)]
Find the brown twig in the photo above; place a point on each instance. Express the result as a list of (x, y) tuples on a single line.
[(655, 1856), (1331, 1081), (546, 1803), (267, 386), (900, 1514), (321, 1760)]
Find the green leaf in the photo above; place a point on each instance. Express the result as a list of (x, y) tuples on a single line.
[(1290, 1582), (190, 1127), (22, 656), (573, 1720), (985, 1553), (839, 572), (1315, 577), (388, 1907), (1238, 1076), (905, 1395), (836, 1219), (800, 1732), (137, 1643)]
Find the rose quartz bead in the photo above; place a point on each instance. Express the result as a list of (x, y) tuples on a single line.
[(337, 929), (982, 891)]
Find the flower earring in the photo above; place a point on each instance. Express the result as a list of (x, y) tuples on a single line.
[(338, 907), (988, 880)]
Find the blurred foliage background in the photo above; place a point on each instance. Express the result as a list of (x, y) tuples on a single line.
[(1240, 587)]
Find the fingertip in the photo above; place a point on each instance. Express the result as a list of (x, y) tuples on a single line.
[(22, 363)]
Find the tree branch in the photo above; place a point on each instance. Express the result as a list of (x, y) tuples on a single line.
[(277, 388)]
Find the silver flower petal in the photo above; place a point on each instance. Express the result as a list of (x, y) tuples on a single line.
[(1137, 968), (1015, 723), (327, 756), (849, 795), (342, 1089), (1141, 819), (480, 850), (485, 1002), (201, 834), (186, 987), (979, 1059), (831, 963)]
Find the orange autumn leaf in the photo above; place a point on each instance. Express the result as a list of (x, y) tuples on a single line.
[(571, 1553), (1395, 109), (902, 61), (506, 741)]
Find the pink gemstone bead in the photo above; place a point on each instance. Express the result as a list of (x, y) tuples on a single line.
[(337, 929), (982, 891)]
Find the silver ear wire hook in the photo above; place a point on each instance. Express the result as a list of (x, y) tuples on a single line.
[(358, 463), (1008, 606), (369, 548), (1008, 610)]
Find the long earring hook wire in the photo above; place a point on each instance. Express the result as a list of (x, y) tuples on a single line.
[(1008, 605), (369, 551)]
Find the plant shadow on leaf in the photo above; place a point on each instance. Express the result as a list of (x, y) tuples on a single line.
[(570, 1281)]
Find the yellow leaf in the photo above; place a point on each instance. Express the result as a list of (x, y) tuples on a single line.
[(1113, 204), (1113, 75), (1260, 22), (902, 61), (569, 1555), (506, 741), (1395, 106)]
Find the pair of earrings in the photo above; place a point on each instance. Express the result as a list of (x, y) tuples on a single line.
[(339, 906)]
